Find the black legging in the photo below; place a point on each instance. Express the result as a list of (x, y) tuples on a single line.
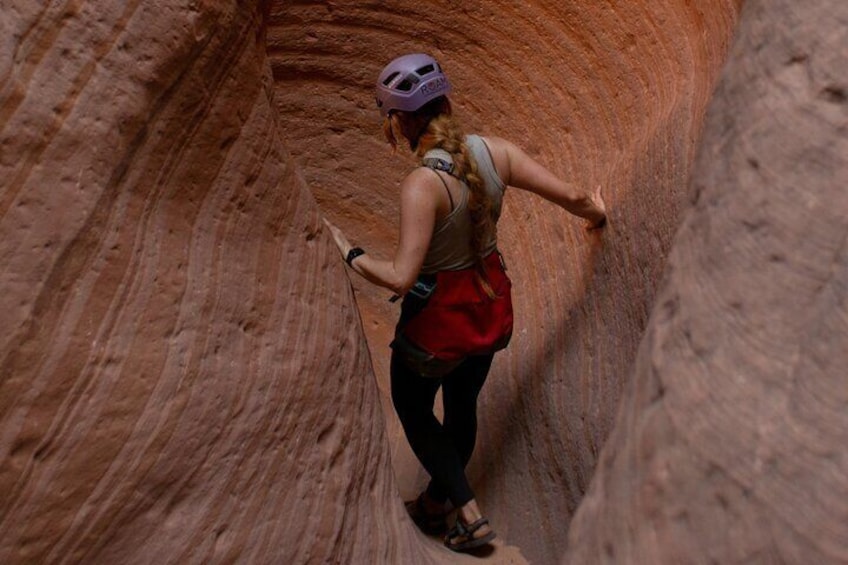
[(443, 449)]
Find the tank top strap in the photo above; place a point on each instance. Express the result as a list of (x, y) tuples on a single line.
[(444, 182), (440, 160)]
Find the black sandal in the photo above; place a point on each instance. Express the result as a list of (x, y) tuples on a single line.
[(429, 523), (461, 537)]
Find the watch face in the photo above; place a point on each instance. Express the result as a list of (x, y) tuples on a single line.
[(353, 254)]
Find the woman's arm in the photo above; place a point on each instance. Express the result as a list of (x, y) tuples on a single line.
[(520, 170), (418, 205)]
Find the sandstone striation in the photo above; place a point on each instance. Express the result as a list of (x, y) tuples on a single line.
[(187, 373), (610, 95), (730, 444), (183, 373)]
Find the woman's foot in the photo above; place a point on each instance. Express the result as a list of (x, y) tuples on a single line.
[(428, 515), (472, 530)]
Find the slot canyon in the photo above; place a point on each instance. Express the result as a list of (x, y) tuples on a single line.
[(189, 373)]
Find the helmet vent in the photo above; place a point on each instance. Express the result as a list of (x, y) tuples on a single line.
[(405, 85), (425, 70), (390, 78)]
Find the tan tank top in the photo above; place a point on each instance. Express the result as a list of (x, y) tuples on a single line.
[(450, 246)]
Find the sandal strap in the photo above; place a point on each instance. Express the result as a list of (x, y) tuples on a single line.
[(461, 537), (467, 530), (474, 526)]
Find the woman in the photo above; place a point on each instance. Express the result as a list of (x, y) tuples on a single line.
[(448, 214)]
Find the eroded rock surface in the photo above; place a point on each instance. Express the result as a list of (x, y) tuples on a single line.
[(603, 95), (730, 446), (175, 387), (184, 373)]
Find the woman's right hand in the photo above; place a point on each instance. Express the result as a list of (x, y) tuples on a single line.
[(598, 202)]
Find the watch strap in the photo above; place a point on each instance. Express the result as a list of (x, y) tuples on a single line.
[(353, 254)]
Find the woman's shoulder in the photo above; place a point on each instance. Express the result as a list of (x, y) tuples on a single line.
[(422, 191), (497, 149), (491, 142), (419, 182)]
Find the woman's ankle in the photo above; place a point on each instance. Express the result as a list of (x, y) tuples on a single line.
[(469, 512)]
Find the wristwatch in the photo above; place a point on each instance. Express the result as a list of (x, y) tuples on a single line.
[(353, 254)]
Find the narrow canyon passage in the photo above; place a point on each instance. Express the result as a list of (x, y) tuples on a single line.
[(190, 374), (602, 94)]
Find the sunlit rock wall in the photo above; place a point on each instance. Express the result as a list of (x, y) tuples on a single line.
[(184, 374), (603, 94), (183, 377), (731, 443)]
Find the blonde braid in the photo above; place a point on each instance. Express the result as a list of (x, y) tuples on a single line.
[(444, 132)]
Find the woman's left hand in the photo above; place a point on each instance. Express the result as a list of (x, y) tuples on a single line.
[(341, 241)]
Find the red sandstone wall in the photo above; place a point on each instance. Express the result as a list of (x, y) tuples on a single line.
[(603, 94), (730, 446), (184, 376), (175, 385)]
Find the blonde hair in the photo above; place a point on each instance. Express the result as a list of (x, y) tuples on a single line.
[(444, 132)]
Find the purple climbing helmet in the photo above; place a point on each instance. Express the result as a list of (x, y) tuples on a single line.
[(409, 82)]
